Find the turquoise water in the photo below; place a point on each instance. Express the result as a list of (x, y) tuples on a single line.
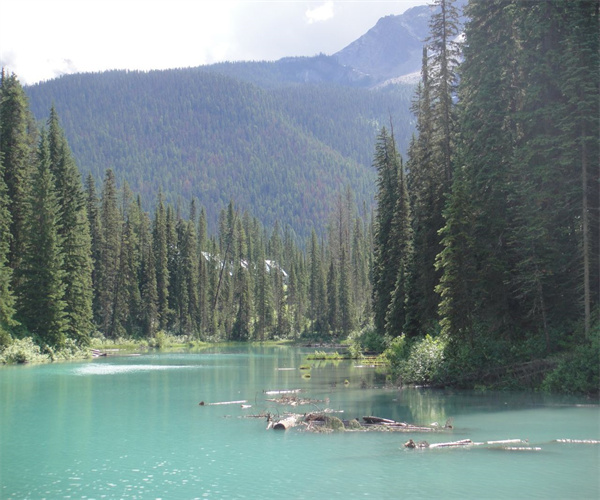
[(131, 427)]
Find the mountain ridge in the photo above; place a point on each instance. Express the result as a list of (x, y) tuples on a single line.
[(281, 139)]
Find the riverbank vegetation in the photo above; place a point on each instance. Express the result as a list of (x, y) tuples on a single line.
[(479, 267)]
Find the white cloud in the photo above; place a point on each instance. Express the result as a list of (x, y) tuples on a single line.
[(42, 39), (321, 13)]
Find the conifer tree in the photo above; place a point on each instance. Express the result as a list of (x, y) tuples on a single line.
[(41, 305), (333, 298), (95, 224), (74, 232), (7, 301), (148, 287), (18, 145), (431, 159), (111, 221), (345, 295), (388, 165), (161, 261)]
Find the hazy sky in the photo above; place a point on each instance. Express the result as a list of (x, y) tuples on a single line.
[(41, 39)]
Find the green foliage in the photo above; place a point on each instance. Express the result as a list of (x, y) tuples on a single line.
[(420, 361), (23, 351), (370, 340), (323, 355), (192, 132), (160, 340), (579, 371)]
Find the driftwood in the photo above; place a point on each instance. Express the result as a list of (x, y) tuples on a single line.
[(467, 443), (378, 423), (283, 424), (577, 441), (242, 401), (285, 391), (292, 400)]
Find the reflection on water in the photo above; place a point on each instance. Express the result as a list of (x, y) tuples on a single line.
[(113, 369), (137, 431)]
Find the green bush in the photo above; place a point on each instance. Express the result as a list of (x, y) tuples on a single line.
[(578, 373), (418, 362), (23, 351)]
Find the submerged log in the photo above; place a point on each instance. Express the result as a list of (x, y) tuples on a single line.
[(577, 441), (285, 423)]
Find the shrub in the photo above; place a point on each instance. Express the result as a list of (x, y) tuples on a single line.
[(578, 373), (417, 362), (23, 351)]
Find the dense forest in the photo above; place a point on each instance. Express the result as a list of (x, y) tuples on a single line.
[(282, 153), (480, 265)]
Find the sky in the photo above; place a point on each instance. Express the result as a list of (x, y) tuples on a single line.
[(43, 39)]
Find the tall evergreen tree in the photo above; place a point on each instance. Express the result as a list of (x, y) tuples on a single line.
[(161, 261), (111, 220), (18, 145), (41, 305), (74, 232), (385, 270), (7, 301)]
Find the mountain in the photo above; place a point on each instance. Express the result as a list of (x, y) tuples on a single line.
[(281, 139), (392, 48)]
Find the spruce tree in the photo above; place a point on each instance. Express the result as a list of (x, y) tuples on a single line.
[(111, 221), (7, 301), (95, 224), (74, 232), (148, 287), (18, 146), (41, 305), (159, 237), (388, 165)]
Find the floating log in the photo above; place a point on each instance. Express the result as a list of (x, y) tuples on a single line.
[(462, 442), (284, 391), (577, 441), (520, 448), (242, 401), (286, 423), (379, 420), (506, 441)]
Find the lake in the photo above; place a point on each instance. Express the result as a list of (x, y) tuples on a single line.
[(132, 427)]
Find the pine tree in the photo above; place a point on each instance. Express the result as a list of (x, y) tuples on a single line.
[(17, 145), (431, 164), (148, 287), (161, 262), (74, 232), (41, 305), (388, 165), (111, 221), (95, 225), (345, 295), (7, 301), (333, 298)]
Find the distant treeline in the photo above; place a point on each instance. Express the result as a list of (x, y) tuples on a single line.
[(283, 153), (75, 261)]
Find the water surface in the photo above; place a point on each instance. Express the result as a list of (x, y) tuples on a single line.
[(131, 427)]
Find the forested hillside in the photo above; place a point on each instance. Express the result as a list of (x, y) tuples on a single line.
[(479, 267), (284, 153)]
